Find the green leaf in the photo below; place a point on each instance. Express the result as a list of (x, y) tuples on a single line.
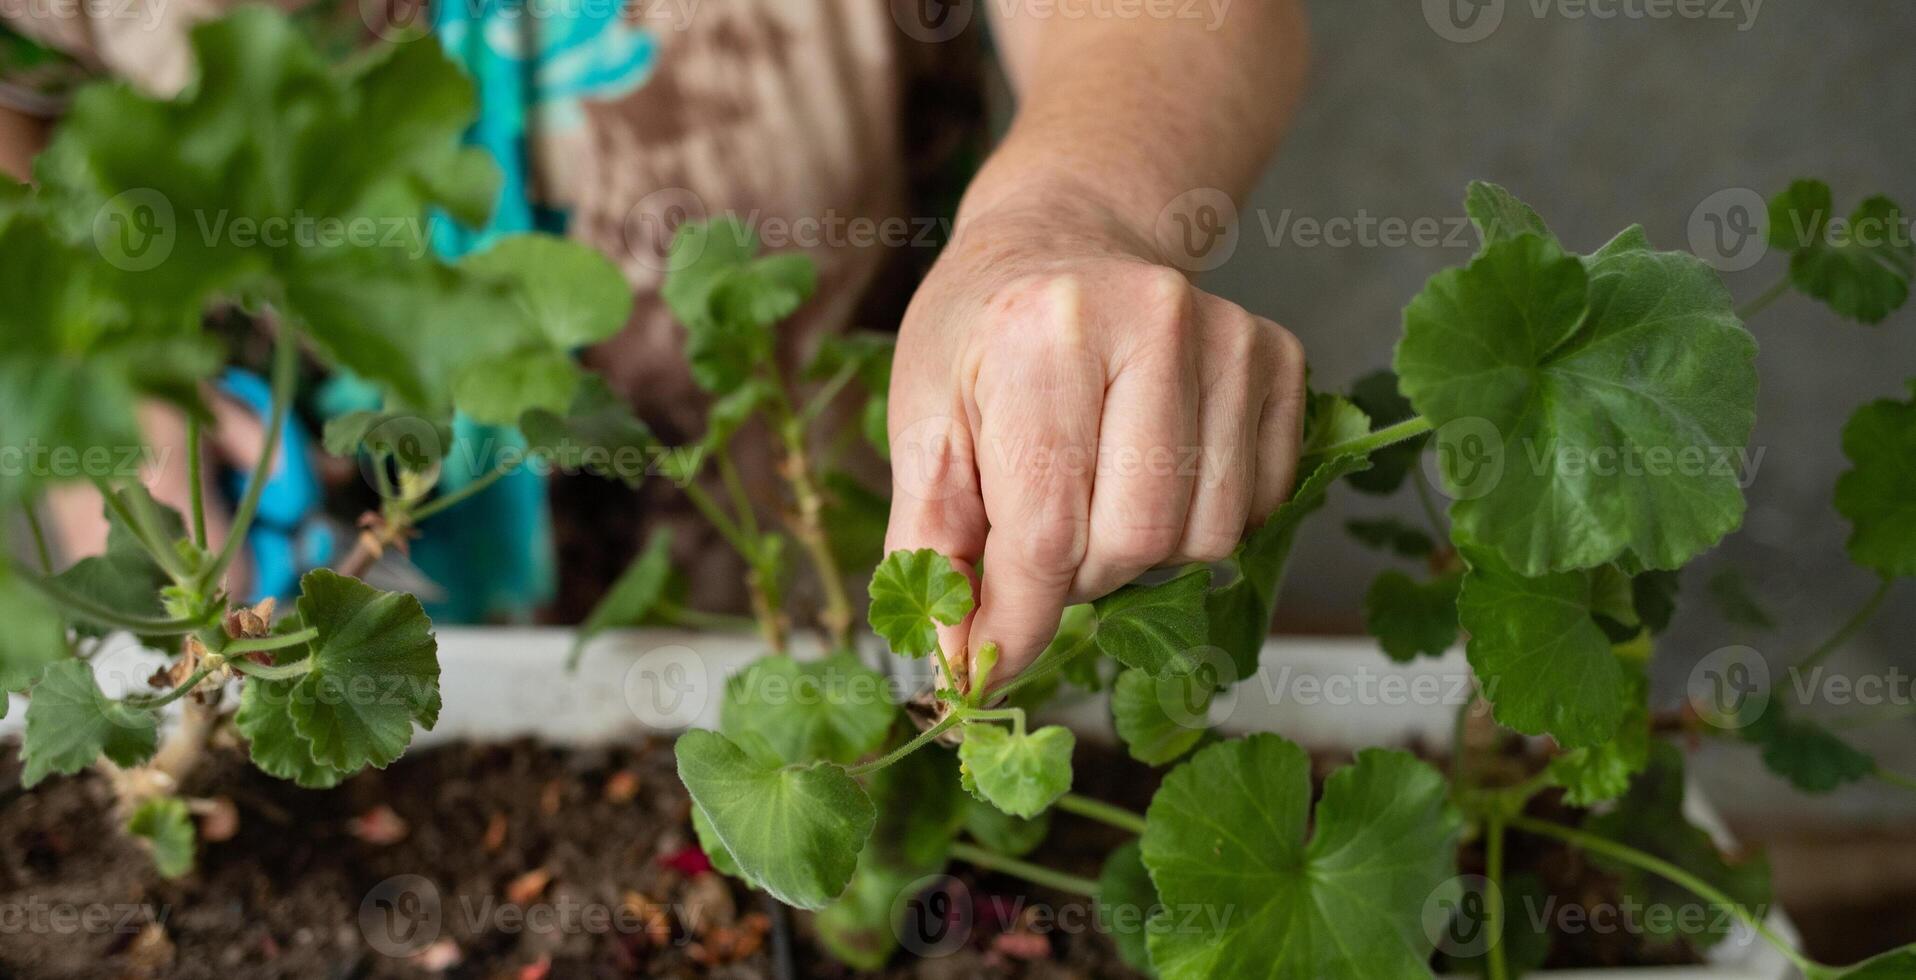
[(732, 411), (1240, 611), (1155, 628), (1331, 419), (571, 292), (912, 590), (1807, 754), (729, 301), (467, 186), (168, 829), (714, 848), (1653, 595), (498, 390), (857, 517), (1377, 396), (1897, 964), (1878, 493), (1861, 268), (919, 810), (1126, 902), (633, 596), (861, 928), (276, 746), (1226, 834), (834, 709), (1525, 942), (33, 638), (1596, 773), (1585, 409), (795, 832), (375, 672), (70, 723), (1021, 774), (1141, 708), (1409, 617), (1730, 592), (1002, 832), (1400, 538), (598, 434), (1650, 818), (1499, 216), (867, 354), (1545, 664)]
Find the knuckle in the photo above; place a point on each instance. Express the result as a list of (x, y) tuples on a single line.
[(1054, 542), (1140, 545), (1288, 349), (1212, 544)]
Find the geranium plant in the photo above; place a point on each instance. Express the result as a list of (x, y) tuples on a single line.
[(1522, 371)]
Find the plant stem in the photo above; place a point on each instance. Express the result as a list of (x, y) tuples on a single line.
[(1043, 669), (1014, 715), (1364, 445), (716, 516), (456, 497), (741, 501), (700, 619), (84, 608), (196, 488), (41, 551), (265, 643), (1494, 901), (1459, 729), (924, 738), (285, 372), (827, 393), (274, 672), (186, 687), (1764, 299), (1670, 872), (977, 856), (1849, 629), (1102, 812), (1896, 779)]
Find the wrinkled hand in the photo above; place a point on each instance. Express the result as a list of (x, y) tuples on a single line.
[(1073, 412)]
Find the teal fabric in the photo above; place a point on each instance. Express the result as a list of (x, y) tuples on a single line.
[(493, 553)]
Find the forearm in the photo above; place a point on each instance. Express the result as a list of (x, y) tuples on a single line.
[(1134, 111)]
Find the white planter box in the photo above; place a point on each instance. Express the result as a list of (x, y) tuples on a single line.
[(501, 683)]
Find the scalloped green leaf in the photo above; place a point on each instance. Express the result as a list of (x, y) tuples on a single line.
[(1126, 902), (1411, 618), (1227, 834), (1860, 268), (1545, 663), (1597, 773), (919, 812), (166, 826), (1155, 628), (910, 592), (1499, 216), (1330, 419), (1878, 493), (1002, 832), (728, 301), (598, 433), (1019, 773), (569, 291), (375, 672), (1585, 408), (70, 723), (1162, 717), (795, 832), (276, 747), (34, 636), (1809, 755), (834, 709)]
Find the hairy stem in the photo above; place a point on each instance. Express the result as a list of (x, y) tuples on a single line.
[(195, 487), (186, 687), (274, 672), (945, 724), (40, 550), (456, 497), (1764, 299), (1102, 812), (977, 856), (1669, 872), (1850, 627), (265, 643), (285, 372), (1494, 901), (1896, 779), (1364, 445)]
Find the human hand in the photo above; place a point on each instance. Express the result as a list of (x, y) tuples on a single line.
[(1071, 411)]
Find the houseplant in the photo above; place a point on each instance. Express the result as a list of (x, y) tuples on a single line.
[(1558, 573)]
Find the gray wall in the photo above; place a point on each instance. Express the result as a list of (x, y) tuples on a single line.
[(1601, 123)]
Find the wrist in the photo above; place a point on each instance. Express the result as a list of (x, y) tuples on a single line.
[(1089, 208)]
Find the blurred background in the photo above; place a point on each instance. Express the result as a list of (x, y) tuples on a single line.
[(1601, 123)]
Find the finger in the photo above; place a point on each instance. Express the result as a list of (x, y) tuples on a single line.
[(1235, 384), (935, 498), (1142, 484), (1281, 424), (1039, 408)]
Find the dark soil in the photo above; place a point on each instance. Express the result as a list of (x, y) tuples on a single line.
[(515, 860)]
